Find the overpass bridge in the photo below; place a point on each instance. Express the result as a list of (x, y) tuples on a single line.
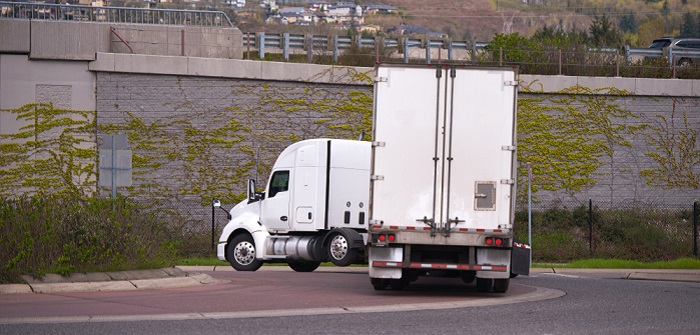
[(181, 93)]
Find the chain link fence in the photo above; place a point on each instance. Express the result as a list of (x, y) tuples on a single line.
[(561, 232), (571, 230)]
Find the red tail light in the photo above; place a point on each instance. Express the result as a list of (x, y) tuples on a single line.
[(497, 241), (392, 237)]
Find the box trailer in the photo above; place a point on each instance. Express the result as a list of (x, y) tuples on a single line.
[(443, 174)]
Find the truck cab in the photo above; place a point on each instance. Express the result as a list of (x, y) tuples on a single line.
[(314, 209)]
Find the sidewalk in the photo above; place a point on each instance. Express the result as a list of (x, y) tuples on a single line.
[(182, 276), (109, 281)]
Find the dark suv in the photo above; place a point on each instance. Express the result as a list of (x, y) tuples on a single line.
[(676, 45)]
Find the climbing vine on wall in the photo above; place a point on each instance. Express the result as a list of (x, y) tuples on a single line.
[(567, 137), (677, 154), (53, 151)]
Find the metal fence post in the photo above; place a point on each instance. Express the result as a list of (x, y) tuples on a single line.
[(248, 47), (261, 45), (310, 50), (213, 223), (335, 48), (377, 40), (285, 46), (500, 56), (590, 225), (405, 50), (560, 64), (427, 50), (449, 50), (695, 229)]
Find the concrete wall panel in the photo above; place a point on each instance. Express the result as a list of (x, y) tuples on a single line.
[(15, 36), (68, 40)]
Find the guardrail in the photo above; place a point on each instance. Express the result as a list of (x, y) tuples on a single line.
[(286, 42), (44, 11)]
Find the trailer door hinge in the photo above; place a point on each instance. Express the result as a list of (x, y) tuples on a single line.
[(378, 144), (508, 181), (377, 177), (373, 222), (508, 147), (381, 79), (511, 83)]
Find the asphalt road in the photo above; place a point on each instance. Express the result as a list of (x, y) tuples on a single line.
[(594, 303)]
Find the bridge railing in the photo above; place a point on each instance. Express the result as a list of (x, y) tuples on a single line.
[(44, 11)]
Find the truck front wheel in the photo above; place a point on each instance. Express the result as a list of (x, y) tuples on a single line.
[(240, 252), (340, 251)]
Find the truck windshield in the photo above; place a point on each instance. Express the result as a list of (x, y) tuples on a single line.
[(279, 182)]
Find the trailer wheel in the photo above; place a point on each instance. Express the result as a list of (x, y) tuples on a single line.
[(484, 284), (303, 266), (240, 252), (379, 284), (340, 251), (398, 284), (501, 285)]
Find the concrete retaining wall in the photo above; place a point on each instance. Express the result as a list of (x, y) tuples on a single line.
[(260, 107), (74, 40)]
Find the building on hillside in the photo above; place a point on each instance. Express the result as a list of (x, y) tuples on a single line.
[(320, 6), (380, 9)]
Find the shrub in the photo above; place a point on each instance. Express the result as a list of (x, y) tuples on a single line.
[(64, 235)]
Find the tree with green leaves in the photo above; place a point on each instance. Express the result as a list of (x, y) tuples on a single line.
[(514, 48), (689, 26), (603, 33), (628, 23)]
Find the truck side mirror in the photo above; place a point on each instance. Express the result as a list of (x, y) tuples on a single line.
[(251, 191)]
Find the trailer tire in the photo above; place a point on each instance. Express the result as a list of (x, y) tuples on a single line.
[(303, 266), (484, 284), (398, 284), (501, 285), (240, 253), (340, 248), (379, 284)]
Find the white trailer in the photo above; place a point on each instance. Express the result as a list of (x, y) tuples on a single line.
[(443, 174)]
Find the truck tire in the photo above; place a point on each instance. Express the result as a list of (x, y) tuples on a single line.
[(240, 252), (303, 266), (340, 250), (484, 284), (501, 285)]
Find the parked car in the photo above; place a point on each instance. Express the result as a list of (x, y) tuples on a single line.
[(678, 47)]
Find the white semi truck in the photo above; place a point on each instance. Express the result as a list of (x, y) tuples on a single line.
[(433, 193)]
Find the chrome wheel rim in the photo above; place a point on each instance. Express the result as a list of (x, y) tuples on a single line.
[(338, 247)]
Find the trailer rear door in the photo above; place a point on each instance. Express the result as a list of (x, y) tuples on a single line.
[(444, 156)]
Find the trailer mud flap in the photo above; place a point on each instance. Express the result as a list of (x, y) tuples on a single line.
[(520, 259), (393, 255)]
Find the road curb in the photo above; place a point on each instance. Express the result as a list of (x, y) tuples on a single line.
[(111, 281)]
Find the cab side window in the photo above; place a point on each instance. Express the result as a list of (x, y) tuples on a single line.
[(279, 182)]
